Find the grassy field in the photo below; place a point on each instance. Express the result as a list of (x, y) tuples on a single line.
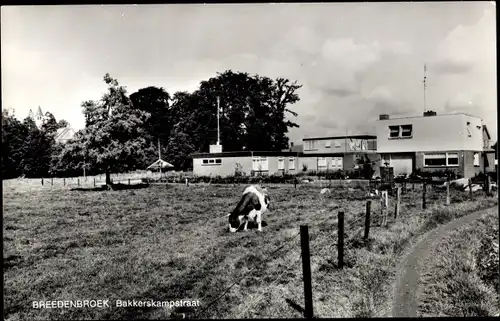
[(464, 277), (170, 242)]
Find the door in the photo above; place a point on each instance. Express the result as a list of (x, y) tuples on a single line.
[(402, 163)]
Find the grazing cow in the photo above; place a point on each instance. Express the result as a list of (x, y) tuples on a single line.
[(251, 206)]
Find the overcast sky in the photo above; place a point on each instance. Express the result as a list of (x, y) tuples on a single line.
[(354, 61)]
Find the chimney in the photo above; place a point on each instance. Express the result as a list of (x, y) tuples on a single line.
[(217, 148), (383, 117), (429, 113)]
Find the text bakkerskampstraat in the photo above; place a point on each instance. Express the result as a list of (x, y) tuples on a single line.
[(66, 304)]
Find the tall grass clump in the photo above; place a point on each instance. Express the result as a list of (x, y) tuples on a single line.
[(456, 284)]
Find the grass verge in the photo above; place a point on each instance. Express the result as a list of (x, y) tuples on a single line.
[(464, 278)]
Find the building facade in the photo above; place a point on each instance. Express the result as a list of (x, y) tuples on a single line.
[(319, 154), (337, 152), (453, 142), (245, 162)]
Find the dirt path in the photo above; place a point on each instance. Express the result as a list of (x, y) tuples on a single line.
[(406, 290)]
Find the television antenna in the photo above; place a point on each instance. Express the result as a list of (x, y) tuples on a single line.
[(425, 86)]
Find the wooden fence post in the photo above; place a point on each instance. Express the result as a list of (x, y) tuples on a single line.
[(42, 181), (424, 205), (187, 182), (64, 181), (295, 182), (129, 181), (340, 245), (398, 196), (448, 201), (306, 271), (413, 185), (94, 181), (488, 185), (470, 188), (381, 209), (367, 219), (78, 181), (52, 181)]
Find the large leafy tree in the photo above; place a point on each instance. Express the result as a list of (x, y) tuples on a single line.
[(62, 123), (114, 137), (36, 151), (188, 134), (156, 102), (50, 125), (14, 134)]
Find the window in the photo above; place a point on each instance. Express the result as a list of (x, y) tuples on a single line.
[(406, 130), (321, 161), (260, 163), (337, 144), (328, 144), (435, 160), (400, 131), (291, 163), (281, 163), (212, 161), (476, 159), (444, 159), (337, 163), (393, 131), (310, 145)]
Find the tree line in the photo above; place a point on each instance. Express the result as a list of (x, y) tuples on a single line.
[(122, 131)]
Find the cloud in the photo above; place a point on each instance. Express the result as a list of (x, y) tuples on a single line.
[(467, 46), (449, 66), (463, 103), (339, 92), (355, 61), (381, 100)]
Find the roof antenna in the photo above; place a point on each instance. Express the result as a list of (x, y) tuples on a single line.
[(218, 117), (425, 86)]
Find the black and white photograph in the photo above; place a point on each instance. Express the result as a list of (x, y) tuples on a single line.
[(250, 160)]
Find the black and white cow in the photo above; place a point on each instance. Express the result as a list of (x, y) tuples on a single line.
[(254, 202)]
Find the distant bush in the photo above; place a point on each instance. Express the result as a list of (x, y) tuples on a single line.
[(270, 179), (438, 173)]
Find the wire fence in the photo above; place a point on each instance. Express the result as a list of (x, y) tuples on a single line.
[(353, 224), (351, 230)]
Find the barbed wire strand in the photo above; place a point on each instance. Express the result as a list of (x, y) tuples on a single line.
[(259, 296), (287, 242)]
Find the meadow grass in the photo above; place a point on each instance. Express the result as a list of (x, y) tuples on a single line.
[(170, 242), (464, 277)]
